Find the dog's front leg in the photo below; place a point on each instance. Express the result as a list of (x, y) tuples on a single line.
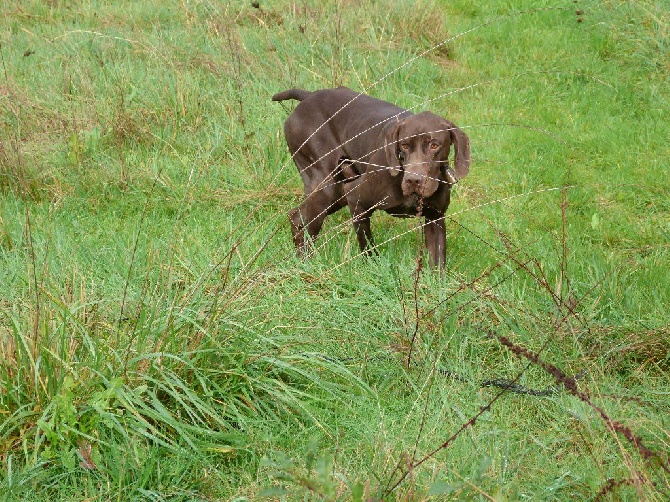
[(436, 239)]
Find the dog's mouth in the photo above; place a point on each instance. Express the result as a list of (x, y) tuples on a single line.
[(412, 199), (425, 189)]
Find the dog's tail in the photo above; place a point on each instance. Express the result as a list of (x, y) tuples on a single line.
[(298, 94)]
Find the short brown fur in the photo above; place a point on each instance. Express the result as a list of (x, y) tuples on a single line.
[(358, 151)]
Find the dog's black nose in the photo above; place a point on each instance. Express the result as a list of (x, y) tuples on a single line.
[(413, 181)]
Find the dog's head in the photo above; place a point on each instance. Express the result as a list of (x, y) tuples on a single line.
[(418, 147)]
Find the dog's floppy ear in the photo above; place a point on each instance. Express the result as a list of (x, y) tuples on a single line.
[(391, 136), (462, 150)]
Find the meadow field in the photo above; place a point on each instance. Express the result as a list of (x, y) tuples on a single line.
[(160, 340)]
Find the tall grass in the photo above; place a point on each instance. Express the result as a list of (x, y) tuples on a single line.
[(159, 340)]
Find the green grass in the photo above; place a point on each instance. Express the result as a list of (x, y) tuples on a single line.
[(159, 340)]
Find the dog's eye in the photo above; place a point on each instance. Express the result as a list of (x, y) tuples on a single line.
[(434, 145), (404, 146)]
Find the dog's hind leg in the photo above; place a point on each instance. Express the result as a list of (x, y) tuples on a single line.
[(307, 218)]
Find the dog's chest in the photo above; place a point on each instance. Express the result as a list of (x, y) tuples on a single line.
[(408, 207)]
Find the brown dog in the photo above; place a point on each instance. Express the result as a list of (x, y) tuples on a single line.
[(352, 149)]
